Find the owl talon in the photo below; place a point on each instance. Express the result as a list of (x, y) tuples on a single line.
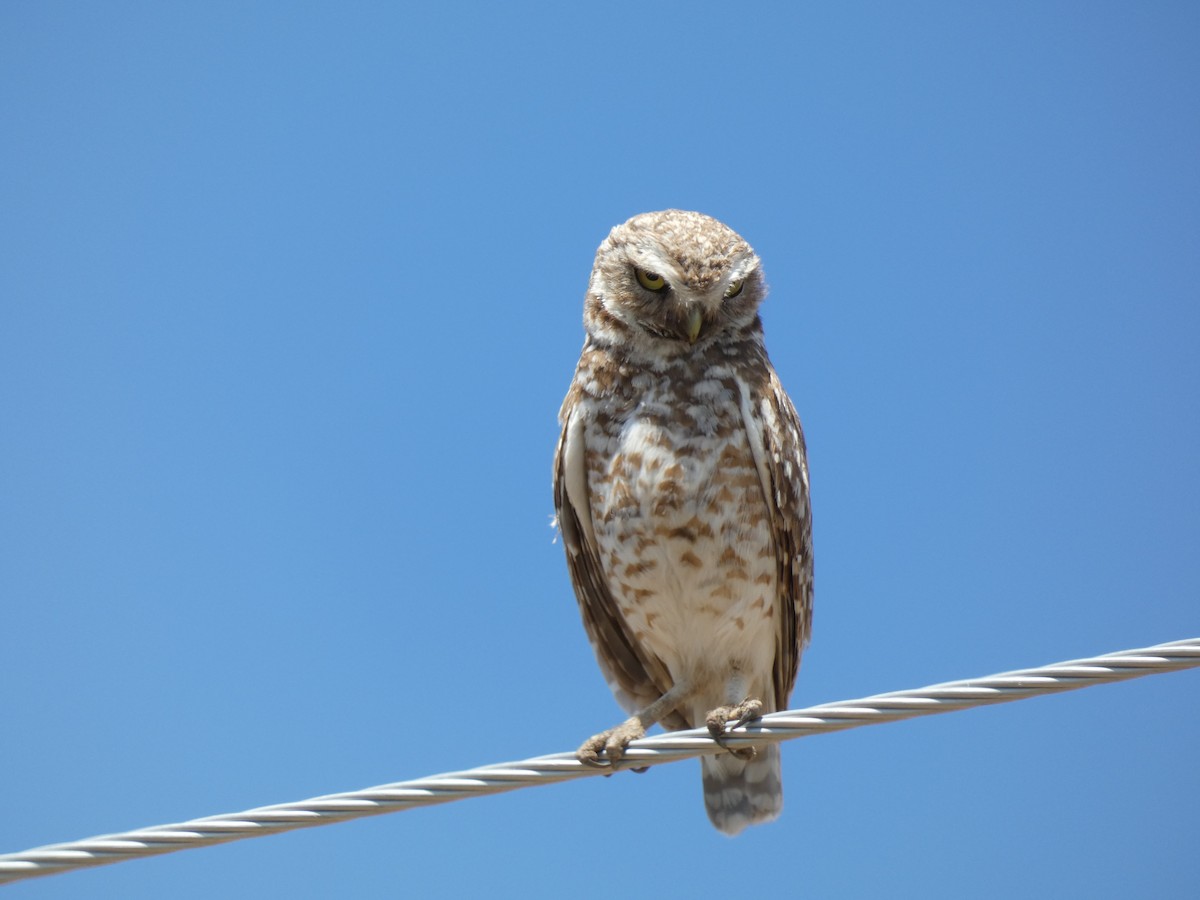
[(606, 749), (589, 752), (724, 719)]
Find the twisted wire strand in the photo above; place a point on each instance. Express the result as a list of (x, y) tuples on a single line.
[(493, 779)]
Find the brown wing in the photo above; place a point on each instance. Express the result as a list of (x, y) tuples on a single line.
[(636, 678), (778, 444)]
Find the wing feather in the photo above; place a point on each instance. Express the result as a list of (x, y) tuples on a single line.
[(777, 442)]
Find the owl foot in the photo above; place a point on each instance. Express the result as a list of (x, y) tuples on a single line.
[(725, 718), (604, 750)]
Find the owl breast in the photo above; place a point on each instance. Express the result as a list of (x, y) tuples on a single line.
[(683, 530)]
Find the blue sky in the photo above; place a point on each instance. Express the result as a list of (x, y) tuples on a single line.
[(289, 298)]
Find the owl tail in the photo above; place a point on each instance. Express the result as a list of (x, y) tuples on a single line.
[(738, 793)]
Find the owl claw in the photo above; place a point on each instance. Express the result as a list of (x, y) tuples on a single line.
[(724, 719), (589, 753), (606, 749)]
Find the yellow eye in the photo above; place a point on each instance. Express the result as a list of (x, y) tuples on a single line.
[(735, 288), (650, 281)]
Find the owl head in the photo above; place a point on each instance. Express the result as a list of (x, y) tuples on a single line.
[(668, 283)]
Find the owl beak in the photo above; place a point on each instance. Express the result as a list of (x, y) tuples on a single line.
[(695, 319)]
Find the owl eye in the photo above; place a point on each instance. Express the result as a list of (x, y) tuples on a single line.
[(650, 280), (735, 288)]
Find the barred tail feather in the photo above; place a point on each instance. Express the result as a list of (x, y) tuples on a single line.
[(738, 793)]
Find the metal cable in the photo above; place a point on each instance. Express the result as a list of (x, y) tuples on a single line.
[(494, 779)]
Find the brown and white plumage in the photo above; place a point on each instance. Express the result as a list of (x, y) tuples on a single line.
[(681, 488)]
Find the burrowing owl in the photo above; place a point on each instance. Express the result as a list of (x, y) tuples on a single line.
[(681, 487)]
